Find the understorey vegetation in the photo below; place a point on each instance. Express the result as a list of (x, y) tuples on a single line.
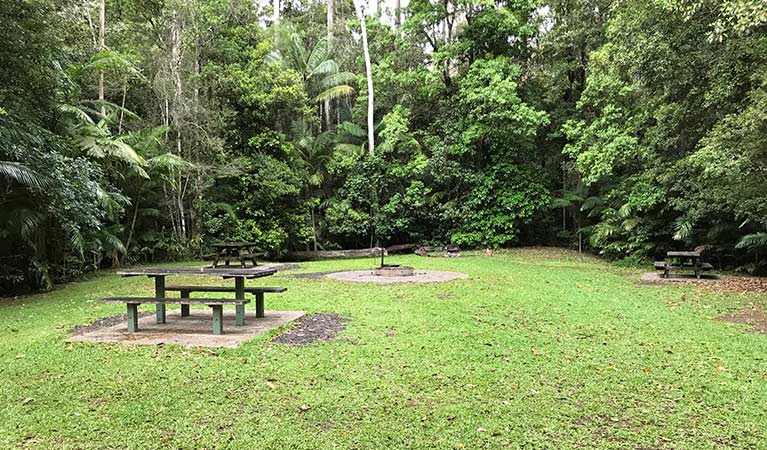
[(143, 130)]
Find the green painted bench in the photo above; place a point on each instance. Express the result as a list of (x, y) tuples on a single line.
[(217, 304), (258, 292)]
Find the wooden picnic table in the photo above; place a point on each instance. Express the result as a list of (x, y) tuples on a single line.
[(235, 251), (689, 260), (159, 274)]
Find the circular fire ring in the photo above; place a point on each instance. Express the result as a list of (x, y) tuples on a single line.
[(394, 271), (419, 276)]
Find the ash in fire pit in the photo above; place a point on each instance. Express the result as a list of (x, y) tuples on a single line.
[(392, 270)]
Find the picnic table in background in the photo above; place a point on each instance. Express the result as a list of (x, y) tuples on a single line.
[(160, 299), (235, 251), (685, 260)]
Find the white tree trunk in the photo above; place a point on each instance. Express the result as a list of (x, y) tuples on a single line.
[(326, 103), (397, 16), (175, 71), (102, 46), (368, 70), (275, 11)]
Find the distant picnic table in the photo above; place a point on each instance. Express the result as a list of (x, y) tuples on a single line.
[(683, 260), (160, 299), (235, 251)]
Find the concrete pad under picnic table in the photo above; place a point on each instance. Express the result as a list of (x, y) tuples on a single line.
[(194, 330)]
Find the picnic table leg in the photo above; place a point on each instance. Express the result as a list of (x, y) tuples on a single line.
[(239, 294), (215, 258), (184, 308), (259, 304), (159, 292), (252, 251), (132, 317), (218, 319)]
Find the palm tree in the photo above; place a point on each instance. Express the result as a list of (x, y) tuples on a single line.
[(97, 141), (316, 152), (319, 71)]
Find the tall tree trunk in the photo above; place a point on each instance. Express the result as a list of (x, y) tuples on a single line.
[(326, 105), (275, 11), (175, 70), (314, 229), (102, 46), (397, 12), (368, 70)]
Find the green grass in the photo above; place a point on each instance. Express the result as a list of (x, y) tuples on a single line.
[(539, 349)]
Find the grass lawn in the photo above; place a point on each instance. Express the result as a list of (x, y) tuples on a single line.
[(539, 349)]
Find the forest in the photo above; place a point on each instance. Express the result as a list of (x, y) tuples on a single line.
[(143, 130)]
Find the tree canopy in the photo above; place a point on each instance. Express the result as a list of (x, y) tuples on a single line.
[(624, 128)]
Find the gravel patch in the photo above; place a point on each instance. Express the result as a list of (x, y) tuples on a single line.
[(308, 329)]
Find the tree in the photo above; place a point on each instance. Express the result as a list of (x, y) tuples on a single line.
[(359, 8)]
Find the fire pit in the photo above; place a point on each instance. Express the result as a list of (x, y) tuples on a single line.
[(392, 270)]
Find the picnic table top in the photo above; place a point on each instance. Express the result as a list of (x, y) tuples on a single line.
[(250, 272), (233, 244), (692, 254)]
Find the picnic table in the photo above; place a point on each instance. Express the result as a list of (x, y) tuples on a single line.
[(686, 260), (160, 299), (235, 251)]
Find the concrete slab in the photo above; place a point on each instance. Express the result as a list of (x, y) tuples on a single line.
[(194, 330), (658, 277)]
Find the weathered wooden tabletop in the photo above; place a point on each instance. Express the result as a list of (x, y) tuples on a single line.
[(234, 244), (683, 254), (226, 272)]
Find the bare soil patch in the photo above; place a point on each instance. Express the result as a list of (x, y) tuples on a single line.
[(308, 329), (105, 322), (753, 316)]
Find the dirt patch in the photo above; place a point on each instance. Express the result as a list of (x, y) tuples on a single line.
[(282, 267), (726, 284), (308, 329), (741, 285), (754, 316), (105, 322)]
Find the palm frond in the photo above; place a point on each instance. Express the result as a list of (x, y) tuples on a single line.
[(325, 68), (753, 241), (591, 203), (682, 230), (336, 79), (334, 93), (23, 175)]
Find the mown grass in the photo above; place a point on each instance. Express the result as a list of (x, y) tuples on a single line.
[(539, 349)]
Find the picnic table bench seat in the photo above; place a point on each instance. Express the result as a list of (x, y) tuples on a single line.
[(661, 265), (216, 304), (258, 292)]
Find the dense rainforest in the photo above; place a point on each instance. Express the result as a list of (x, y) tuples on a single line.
[(144, 130)]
